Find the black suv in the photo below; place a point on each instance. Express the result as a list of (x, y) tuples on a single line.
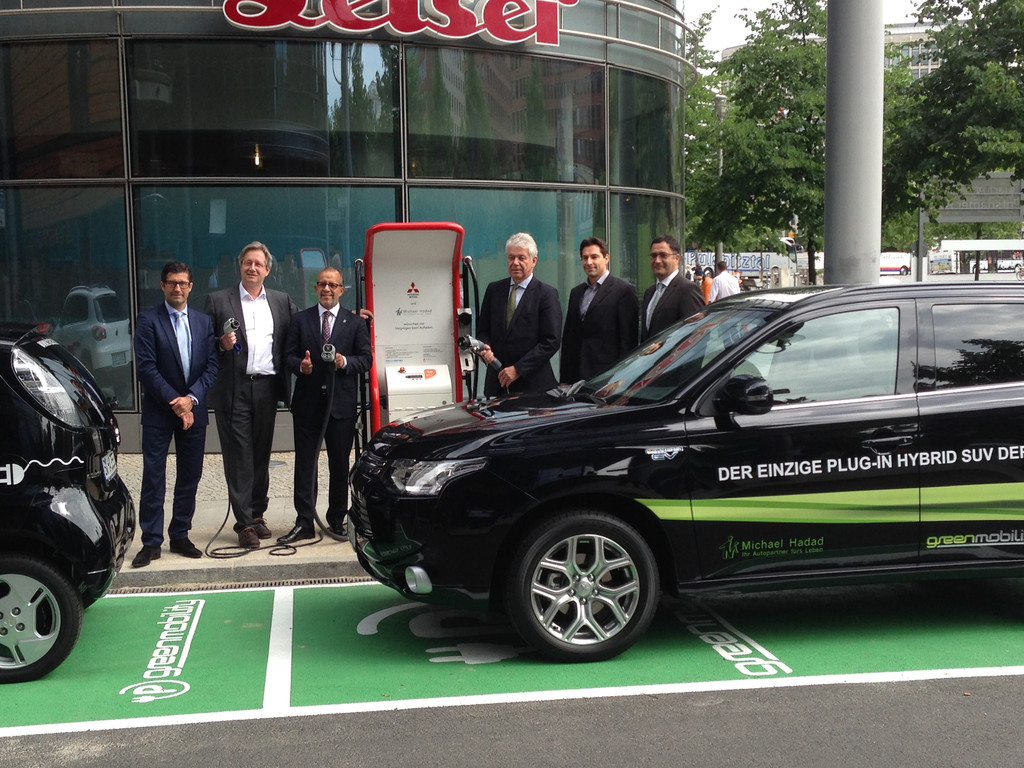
[(66, 517), (776, 438)]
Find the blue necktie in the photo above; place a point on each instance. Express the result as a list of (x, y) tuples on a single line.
[(184, 346)]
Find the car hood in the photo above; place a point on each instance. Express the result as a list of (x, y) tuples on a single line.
[(463, 430)]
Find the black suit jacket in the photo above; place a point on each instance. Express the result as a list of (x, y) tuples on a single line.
[(531, 339), (681, 299), (225, 304), (593, 344), (351, 337), (158, 363)]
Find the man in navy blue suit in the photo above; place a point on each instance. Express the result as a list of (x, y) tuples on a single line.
[(328, 349), (521, 324), (176, 356)]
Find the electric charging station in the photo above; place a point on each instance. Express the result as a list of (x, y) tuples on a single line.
[(414, 290)]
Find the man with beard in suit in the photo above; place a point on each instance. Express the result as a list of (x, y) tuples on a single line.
[(672, 297), (252, 381), (520, 323), (328, 350), (601, 321)]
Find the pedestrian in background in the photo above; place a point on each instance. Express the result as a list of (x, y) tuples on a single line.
[(724, 284)]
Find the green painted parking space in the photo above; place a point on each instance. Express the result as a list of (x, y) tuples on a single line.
[(282, 651)]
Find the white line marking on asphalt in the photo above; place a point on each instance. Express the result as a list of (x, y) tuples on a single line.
[(277, 690), (516, 698), (283, 710)]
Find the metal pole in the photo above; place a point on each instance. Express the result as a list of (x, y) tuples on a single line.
[(853, 141), (720, 100)]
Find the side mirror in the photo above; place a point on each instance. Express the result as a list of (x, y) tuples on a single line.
[(746, 394)]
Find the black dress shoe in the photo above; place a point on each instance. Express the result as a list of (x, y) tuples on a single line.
[(340, 532), (146, 554), (298, 533), (185, 547)]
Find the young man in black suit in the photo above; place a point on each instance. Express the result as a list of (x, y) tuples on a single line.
[(176, 358), (672, 297), (520, 323), (601, 321), (325, 388), (251, 382)]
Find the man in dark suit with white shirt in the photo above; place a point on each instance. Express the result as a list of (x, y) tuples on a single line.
[(672, 297), (520, 323), (601, 321), (251, 382), (176, 359), (328, 350)]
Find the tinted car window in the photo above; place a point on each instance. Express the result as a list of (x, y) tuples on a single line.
[(76, 310), (109, 308), (975, 347), (836, 357)]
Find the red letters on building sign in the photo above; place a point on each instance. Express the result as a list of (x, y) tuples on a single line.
[(500, 21)]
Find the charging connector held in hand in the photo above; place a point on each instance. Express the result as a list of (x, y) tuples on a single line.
[(468, 343), (231, 326)]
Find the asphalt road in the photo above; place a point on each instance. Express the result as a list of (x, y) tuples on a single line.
[(909, 725)]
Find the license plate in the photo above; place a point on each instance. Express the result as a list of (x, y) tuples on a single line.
[(119, 358), (109, 463)]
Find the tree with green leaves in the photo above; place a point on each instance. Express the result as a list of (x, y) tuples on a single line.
[(772, 135), (966, 118)]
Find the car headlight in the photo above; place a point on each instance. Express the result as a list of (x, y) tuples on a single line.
[(428, 478), (46, 389)]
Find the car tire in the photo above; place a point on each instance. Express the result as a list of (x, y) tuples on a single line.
[(583, 586), (40, 618)]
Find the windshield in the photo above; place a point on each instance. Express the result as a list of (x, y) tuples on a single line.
[(665, 362)]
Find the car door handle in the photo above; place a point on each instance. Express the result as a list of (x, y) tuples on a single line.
[(887, 444)]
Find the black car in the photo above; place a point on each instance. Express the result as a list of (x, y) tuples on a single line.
[(779, 438), (66, 517)]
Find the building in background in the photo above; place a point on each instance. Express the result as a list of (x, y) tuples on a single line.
[(136, 134)]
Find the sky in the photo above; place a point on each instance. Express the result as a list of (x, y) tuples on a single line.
[(727, 30)]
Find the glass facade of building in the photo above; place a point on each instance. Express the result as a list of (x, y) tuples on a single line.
[(133, 135)]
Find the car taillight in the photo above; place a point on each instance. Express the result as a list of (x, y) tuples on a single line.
[(99, 332)]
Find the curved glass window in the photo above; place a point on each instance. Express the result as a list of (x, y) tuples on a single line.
[(263, 108), (305, 228), (635, 221), (475, 115), (642, 124), (61, 110), (557, 219), (64, 258)]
